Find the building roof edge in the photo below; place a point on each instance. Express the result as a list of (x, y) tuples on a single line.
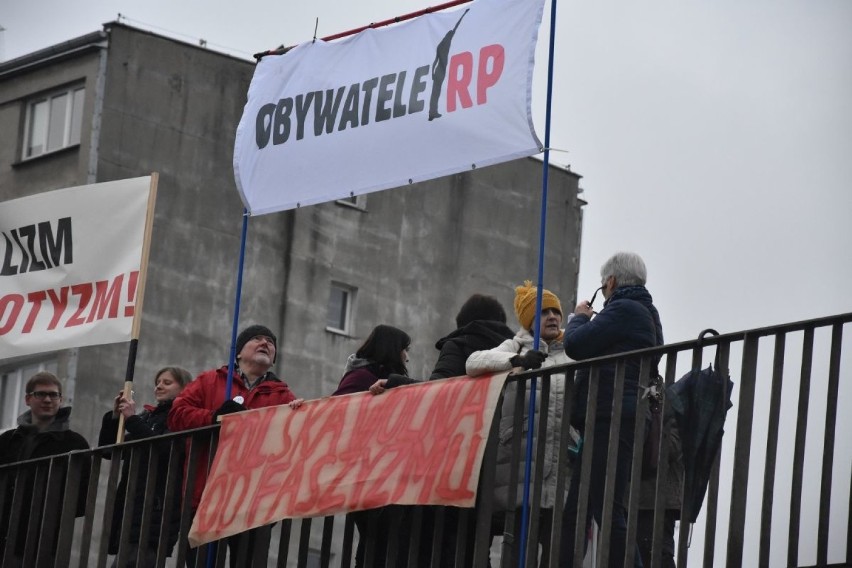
[(90, 41)]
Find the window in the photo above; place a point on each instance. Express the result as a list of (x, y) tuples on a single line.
[(340, 300), (12, 383), (53, 122)]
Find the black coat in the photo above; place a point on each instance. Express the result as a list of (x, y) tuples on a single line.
[(455, 348), (148, 423), (629, 321), (26, 443)]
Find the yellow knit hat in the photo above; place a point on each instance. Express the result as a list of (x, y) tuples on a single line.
[(525, 303)]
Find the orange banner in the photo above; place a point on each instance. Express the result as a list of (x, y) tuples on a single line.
[(417, 445)]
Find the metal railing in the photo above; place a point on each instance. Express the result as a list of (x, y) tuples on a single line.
[(778, 493)]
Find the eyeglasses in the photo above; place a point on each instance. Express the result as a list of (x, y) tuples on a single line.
[(41, 395), (595, 295)]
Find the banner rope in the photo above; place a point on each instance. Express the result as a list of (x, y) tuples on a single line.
[(284, 49)]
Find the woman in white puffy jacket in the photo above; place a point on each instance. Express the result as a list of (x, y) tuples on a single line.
[(514, 353)]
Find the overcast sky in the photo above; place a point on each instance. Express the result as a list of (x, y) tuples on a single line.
[(715, 138)]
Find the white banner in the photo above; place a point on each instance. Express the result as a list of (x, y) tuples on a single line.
[(436, 95), (69, 266)]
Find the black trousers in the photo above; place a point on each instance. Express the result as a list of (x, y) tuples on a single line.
[(618, 535), (645, 536)]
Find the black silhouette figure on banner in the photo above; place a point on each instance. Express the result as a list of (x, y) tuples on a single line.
[(439, 69)]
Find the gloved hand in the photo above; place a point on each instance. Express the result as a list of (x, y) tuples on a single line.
[(532, 359), (228, 407)]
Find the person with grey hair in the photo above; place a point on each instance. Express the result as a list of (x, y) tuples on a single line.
[(204, 400), (628, 321), (627, 268)]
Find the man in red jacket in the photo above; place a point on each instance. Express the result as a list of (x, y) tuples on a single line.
[(254, 385)]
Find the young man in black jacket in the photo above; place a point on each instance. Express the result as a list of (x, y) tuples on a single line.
[(42, 431)]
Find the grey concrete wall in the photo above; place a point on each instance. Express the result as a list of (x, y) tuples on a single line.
[(416, 254)]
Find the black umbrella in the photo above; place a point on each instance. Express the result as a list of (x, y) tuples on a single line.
[(700, 401)]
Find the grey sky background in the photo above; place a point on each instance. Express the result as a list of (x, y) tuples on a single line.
[(715, 139)]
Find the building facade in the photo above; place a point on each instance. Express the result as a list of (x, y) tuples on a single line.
[(122, 103)]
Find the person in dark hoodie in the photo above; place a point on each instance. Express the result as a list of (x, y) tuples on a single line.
[(168, 383), (383, 354), (480, 325), (42, 431), (628, 321)]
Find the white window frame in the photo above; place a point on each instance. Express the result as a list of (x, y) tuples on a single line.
[(13, 380), (349, 295), (73, 120)]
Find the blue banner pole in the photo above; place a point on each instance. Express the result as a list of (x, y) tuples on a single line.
[(525, 505), (212, 548), (233, 357)]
